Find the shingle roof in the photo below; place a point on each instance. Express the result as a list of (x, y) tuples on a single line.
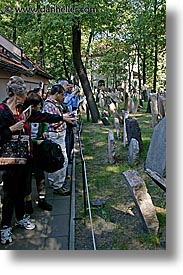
[(23, 65)]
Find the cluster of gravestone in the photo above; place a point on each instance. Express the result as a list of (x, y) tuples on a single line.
[(133, 101), (157, 106), (155, 166)]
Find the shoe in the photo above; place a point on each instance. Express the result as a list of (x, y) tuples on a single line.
[(25, 223), (62, 191), (43, 204), (28, 207), (6, 235)]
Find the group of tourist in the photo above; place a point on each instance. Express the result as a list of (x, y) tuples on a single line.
[(52, 118)]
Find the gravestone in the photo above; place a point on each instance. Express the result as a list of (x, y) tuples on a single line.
[(117, 124), (154, 108), (156, 156), (142, 200), (162, 106), (130, 105), (111, 108), (105, 121), (136, 105), (133, 131), (111, 150), (125, 115), (133, 152)]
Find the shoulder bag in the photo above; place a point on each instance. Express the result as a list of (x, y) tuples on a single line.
[(15, 151)]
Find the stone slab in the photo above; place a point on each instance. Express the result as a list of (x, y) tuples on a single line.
[(156, 156), (142, 200)]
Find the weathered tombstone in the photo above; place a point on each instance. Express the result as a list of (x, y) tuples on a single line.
[(111, 108), (156, 156), (142, 200), (102, 103), (133, 131), (130, 105), (105, 121), (133, 152), (162, 106), (111, 151), (125, 115), (117, 124), (154, 108), (135, 105)]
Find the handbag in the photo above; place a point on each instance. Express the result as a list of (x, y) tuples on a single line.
[(15, 151)]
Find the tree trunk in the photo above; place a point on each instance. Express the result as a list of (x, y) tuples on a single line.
[(139, 75), (41, 42), (88, 50), (41, 52), (81, 71), (14, 34), (64, 61), (129, 78), (144, 65)]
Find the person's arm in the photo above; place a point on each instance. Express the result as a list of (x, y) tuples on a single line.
[(37, 116), (8, 126)]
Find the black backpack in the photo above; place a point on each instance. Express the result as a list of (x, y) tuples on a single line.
[(50, 156)]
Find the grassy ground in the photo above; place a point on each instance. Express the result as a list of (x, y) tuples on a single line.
[(117, 225)]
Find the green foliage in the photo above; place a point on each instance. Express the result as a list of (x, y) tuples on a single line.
[(117, 27)]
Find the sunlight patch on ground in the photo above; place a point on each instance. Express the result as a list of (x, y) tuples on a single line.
[(100, 144), (88, 158), (114, 169), (101, 225)]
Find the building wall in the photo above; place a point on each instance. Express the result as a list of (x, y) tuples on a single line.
[(4, 76), (31, 82)]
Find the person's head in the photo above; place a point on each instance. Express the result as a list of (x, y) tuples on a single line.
[(70, 86), (76, 89), (38, 90), (34, 100), (64, 83), (57, 92), (16, 89)]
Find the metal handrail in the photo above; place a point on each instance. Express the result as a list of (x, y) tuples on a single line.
[(85, 187)]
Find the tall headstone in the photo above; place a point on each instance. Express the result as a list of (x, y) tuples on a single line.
[(133, 152), (133, 131), (154, 108), (125, 115), (111, 150), (156, 156), (162, 106)]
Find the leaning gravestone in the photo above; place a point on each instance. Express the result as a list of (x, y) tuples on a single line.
[(156, 156), (133, 131), (142, 200)]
